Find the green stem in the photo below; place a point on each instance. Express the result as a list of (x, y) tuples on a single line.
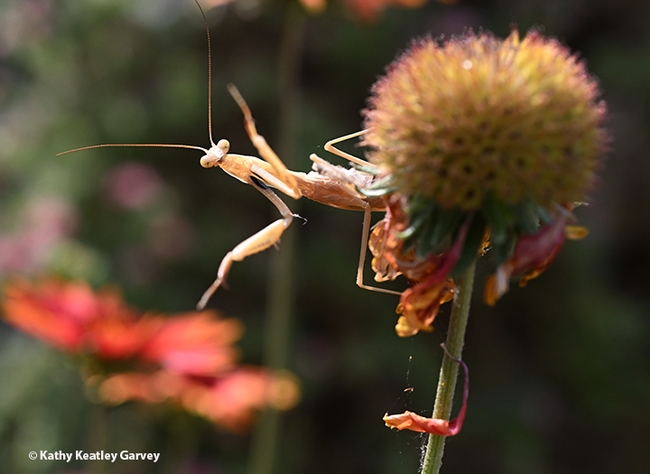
[(280, 300), (449, 370), (98, 436)]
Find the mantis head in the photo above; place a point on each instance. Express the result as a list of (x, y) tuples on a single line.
[(215, 155)]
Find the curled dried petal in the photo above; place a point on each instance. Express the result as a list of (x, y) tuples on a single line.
[(380, 264), (414, 422), (419, 306)]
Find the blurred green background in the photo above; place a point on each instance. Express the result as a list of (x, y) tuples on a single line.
[(560, 371)]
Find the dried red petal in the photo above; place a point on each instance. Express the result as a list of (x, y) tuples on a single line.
[(532, 255), (419, 304), (414, 422)]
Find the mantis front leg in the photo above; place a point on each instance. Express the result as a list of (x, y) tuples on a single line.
[(263, 148), (258, 242)]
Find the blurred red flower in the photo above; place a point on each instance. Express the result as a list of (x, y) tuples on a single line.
[(187, 358), (230, 399), (61, 313), (370, 10), (194, 344), (367, 10), (75, 318)]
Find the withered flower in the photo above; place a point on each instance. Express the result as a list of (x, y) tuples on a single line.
[(479, 138)]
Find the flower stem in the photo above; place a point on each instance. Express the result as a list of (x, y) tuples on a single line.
[(98, 436), (280, 303), (449, 370)]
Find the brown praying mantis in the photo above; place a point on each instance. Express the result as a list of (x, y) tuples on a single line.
[(328, 184)]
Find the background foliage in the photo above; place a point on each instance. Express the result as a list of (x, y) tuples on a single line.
[(559, 370)]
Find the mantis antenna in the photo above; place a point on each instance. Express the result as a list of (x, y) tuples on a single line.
[(169, 145)]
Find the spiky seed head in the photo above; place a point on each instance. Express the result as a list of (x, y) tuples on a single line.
[(516, 120)]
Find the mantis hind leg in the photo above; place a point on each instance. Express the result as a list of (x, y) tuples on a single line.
[(258, 242)]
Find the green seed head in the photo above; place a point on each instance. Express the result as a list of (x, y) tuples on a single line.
[(479, 119)]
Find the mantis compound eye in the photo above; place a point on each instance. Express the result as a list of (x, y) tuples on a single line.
[(223, 145), (209, 160)]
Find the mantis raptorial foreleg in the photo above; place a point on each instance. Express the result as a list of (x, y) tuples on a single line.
[(263, 148), (258, 242)]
